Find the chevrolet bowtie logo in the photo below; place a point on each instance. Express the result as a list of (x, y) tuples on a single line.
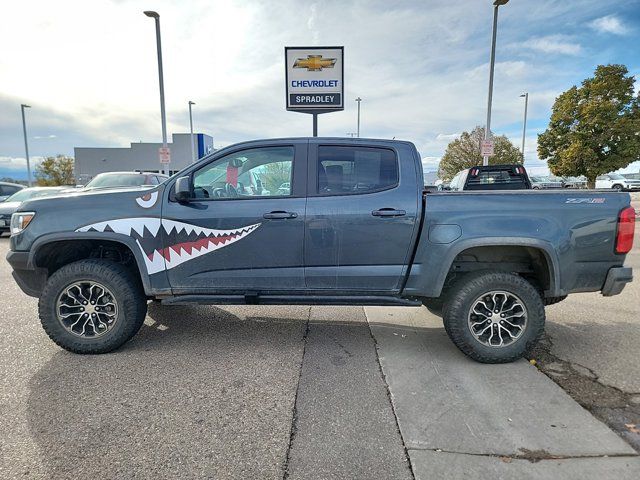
[(314, 63)]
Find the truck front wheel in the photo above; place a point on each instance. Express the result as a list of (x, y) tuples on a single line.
[(494, 317), (92, 306)]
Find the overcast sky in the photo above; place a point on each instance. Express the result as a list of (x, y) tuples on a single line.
[(88, 68)]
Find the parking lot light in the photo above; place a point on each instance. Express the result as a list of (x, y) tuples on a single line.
[(156, 17), (492, 63), (524, 124), (193, 158), (26, 144)]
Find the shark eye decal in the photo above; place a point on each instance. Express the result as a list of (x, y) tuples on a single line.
[(182, 241), (147, 200)]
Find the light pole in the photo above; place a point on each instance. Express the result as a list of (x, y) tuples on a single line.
[(524, 124), (492, 63), (26, 144), (358, 129), (193, 159), (163, 116)]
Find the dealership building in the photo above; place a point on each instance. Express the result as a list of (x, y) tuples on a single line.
[(89, 161)]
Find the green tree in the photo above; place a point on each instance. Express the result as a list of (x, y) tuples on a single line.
[(595, 128), (465, 152), (275, 174), (54, 171)]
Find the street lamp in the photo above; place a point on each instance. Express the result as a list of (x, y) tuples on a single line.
[(492, 62), (26, 144), (524, 124), (358, 129), (156, 17), (193, 159)]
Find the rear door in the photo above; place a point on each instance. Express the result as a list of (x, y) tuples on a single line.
[(362, 211), (240, 232)]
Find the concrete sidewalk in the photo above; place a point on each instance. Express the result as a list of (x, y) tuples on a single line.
[(459, 418)]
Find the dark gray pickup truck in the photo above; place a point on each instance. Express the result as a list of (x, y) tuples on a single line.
[(321, 221)]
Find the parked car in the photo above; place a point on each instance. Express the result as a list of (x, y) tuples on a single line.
[(11, 204), (617, 182), (356, 228), (574, 182), (491, 177), (284, 189), (122, 179), (8, 189), (442, 185), (539, 182)]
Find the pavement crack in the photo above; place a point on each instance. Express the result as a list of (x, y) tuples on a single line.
[(532, 456), (611, 405), (390, 397), (294, 417)]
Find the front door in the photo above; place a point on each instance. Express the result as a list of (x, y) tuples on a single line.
[(243, 229), (361, 217)]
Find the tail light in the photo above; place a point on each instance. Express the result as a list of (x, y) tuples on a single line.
[(626, 228)]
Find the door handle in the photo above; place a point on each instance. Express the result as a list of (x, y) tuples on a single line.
[(388, 212), (279, 214)]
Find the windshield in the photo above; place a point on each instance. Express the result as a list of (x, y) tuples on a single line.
[(116, 180), (616, 176)]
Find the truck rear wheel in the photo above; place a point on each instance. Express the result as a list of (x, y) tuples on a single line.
[(494, 317), (92, 306)]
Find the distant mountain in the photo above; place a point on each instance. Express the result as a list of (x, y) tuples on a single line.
[(9, 173)]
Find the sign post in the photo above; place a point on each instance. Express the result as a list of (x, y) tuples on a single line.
[(487, 148), (315, 80), (164, 154)]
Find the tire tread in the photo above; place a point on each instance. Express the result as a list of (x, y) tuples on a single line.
[(455, 315), (132, 310)]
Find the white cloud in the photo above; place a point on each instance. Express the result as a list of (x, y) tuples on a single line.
[(422, 72), (16, 167), (560, 44), (430, 164), (609, 24), (447, 137)]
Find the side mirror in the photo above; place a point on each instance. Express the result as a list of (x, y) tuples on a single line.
[(183, 189)]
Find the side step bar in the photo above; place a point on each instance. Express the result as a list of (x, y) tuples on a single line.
[(289, 300)]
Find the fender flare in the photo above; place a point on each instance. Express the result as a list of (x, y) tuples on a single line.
[(551, 256), (112, 237)]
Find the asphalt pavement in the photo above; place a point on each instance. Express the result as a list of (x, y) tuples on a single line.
[(310, 392)]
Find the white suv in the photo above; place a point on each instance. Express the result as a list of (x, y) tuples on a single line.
[(617, 182)]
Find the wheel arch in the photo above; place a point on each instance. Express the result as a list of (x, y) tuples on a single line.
[(546, 250), (83, 242)]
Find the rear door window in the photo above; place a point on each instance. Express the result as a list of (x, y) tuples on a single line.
[(347, 170)]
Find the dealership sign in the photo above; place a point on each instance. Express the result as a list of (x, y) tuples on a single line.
[(314, 78)]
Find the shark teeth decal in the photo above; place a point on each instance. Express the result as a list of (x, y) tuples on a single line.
[(182, 241)]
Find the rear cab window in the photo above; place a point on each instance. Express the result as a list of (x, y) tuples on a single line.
[(496, 179), (349, 170)]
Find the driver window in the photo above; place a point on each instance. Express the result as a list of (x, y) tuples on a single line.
[(257, 172)]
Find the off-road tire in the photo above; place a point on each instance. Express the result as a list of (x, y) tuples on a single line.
[(119, 280), (472, 286)]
